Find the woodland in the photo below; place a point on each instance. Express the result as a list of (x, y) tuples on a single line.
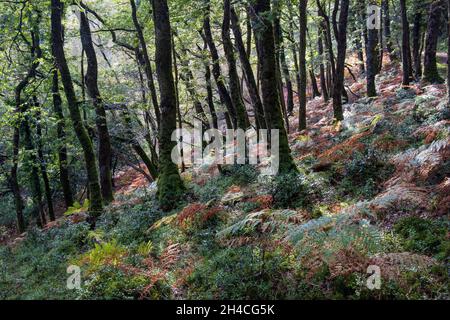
[(91, 92)]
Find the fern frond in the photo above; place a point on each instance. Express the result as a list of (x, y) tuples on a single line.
[(400, 194)]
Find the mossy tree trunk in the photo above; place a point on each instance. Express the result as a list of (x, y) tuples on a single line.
[(14, 182), (36, 55), (43, 161), (62, 147), (272, 109), (303, 4), (170, 185), (35, 181), (96, 202), (104, 140)]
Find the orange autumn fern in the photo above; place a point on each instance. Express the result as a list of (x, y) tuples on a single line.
[(189, 213), (344, 150), (196, 212), (263, 201)]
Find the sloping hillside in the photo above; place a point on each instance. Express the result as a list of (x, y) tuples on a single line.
[(373, 190)]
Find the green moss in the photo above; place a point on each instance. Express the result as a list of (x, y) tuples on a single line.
[(170, 188)]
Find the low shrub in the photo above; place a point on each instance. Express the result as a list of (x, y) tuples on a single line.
[(424, 236), (241, 174), (288, 191), (364, 173)]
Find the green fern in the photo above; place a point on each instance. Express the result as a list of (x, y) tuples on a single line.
[(77, 208)]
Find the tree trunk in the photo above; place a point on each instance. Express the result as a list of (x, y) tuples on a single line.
[(62, 149), (323, 84), (372, 61), (271, 103), (448, 59), (315, 87), (406, 49), (210, 96), (188, 78), (42, 162), (104, 140), (331, 66), (152, 169), (216, 70), (303, 4), (430, 72), (387, 31), (380, 52), (35, 181), (248, 71), (36, 54), (276, 27), (14, 182), (170, 185), (282, 57), (95, 205), (340, 63), (146, 61), (417, 36), (235, 88), (197, 105), (357, 43)]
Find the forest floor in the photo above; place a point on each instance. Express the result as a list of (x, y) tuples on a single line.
[(373, 190)]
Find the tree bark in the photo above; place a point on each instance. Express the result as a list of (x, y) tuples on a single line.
[(152, 169), (406, 49), (272, 110), (14, 182), (235, 87), (303, 5), (42, 162), (417, 37), (323, 82), (36, 54), (248, 71), (95, 205), (430, 72), (104, 140), (34, 174), (387, 31), (282, 57), (276, 26), (62, 149), (170, 185), (315, 87), (209, 95), (372, 61), (340, 63), (146, 61), (448, 59), (216, 70)]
